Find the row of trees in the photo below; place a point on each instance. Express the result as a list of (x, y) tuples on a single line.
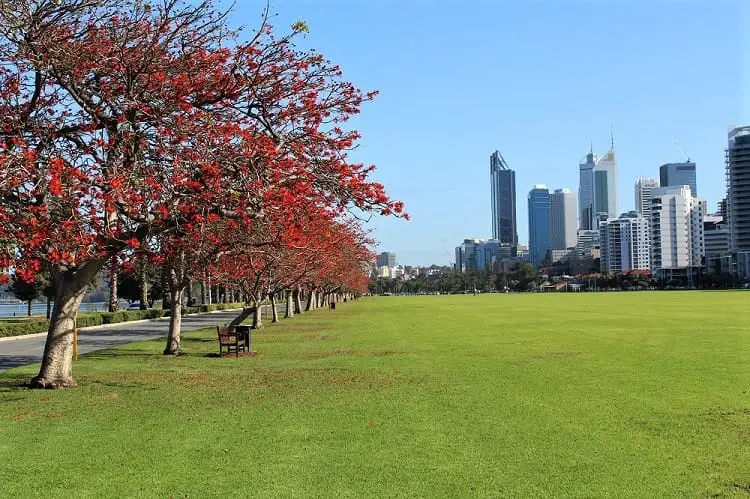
[(520, 277), (140, 133), (523, 277)]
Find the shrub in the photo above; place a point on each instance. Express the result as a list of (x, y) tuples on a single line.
[(23, 328), (96, 319)]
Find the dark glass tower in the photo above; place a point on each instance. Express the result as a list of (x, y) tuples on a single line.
[(503, 187)]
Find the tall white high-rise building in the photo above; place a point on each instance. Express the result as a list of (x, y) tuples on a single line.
[(597, 189), (643, 188), (563, 224), (676, 230), (624, 244), (605, 187)]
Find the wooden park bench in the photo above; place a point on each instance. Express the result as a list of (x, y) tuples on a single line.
[(230, 339)]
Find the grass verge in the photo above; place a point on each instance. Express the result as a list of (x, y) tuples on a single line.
[(618, 394)]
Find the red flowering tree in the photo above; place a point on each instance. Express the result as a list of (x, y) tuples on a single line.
[(129, 126)]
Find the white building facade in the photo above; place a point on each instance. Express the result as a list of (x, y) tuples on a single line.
[(605, 187), (563, 219), (624, 244), (643, 188), (676, 230)]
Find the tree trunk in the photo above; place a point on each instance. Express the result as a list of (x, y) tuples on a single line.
[(297, 300), (321, 300), (57, 360), (143, 282), (49, 308), (246, 312), (257, 318), (189, 289), (177, 281), (203, 292), (311, 301), (113, 285), (175, 321), (28, 308), (289, 304), (274, 312), (165, 288)]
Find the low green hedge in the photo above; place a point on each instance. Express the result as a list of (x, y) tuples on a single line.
[(99, 318), (23, 328), (202, 309)]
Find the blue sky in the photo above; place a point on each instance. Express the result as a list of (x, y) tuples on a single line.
[(537, 80)]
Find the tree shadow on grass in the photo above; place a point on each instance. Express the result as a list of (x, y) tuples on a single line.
[(13, 384), (198, 340), (11, 361), (225, 355), (118, 354)]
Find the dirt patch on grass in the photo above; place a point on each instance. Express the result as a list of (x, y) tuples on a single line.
[(18, 417), (558, 355), (384, 353), (296, 379), (126, 379), (328, 353), (350, 351)]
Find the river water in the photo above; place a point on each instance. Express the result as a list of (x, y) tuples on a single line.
[(21, 309)]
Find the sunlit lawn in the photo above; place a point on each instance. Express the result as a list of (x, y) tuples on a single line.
[(619, 394)]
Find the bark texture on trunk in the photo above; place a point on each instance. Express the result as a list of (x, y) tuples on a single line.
[(165, 288), (175, 321), (289, 304), (311, 301), (274, 312), (113, 284), (297, 300), (143, 283), (176, 280), (257, 315), (57, 360)]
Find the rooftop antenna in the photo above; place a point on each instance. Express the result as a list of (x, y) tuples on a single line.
[(612, 136), (591, 147), (685, 157)]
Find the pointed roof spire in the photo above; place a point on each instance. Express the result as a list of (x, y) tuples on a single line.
[(612, 136), (591, 148)]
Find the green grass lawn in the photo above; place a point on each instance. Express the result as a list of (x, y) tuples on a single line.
[(619, 394)]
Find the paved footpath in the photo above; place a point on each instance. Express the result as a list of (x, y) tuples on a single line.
[(22, 350)]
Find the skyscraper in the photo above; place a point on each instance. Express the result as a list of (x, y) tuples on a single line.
[(386, 259), (563, 221), (605, 187), (503, 188), (677, 174), (625, 244), (586, 191), (643, 188), (677, 244), (597, 189), (738, 196), (539, 224)]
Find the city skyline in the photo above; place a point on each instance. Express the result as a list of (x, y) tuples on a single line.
[(542, 117)]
